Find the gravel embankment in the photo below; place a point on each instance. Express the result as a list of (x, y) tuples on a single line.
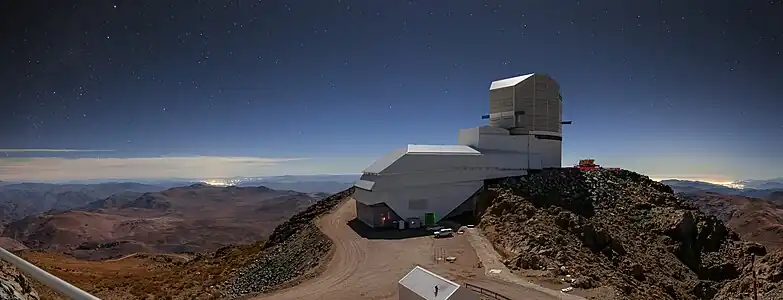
[(293, 252)]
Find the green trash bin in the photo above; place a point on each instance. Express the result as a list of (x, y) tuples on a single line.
[(429, 219)]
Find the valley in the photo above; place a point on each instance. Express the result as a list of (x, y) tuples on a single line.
[(180, 220)]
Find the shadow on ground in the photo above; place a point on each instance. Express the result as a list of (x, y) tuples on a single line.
[(385, 234)]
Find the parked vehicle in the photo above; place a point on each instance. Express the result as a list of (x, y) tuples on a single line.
[(434, 228), (445, 232)]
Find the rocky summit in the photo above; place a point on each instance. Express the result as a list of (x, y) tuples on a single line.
[(619, 229)]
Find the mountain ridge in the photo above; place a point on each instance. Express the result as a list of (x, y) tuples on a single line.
[(195, 218), (690, 186), (620, 229)]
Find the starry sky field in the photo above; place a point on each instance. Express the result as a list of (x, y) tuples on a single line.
[(200, 89)]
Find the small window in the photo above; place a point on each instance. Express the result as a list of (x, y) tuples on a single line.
[(549, 137)]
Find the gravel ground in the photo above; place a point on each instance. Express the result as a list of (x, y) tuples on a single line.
[(369, 268)]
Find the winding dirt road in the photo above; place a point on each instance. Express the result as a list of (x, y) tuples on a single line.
[(173, 255), (363, 268)]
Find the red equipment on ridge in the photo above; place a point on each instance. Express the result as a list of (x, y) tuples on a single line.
[(589, 164)]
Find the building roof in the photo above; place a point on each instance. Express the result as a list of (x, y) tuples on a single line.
[(504, 83), (422, 282), (364, 184), (442, 149), (387, 160)]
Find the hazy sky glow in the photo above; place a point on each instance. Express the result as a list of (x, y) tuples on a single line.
[(194, 167), (682, 89), (90, 167)]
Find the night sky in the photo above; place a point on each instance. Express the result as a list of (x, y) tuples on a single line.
[(684, 89)]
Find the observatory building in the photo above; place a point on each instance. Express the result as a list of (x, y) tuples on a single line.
[(426, 183)]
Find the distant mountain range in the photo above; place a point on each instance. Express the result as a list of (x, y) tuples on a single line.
[(755, 211), (301, 183), (97, 220), (749, 188), (193, 218), (768, 184), (19, 200), (325, 183)]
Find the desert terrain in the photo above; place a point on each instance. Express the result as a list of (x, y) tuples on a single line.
[(617, 234), (185, 219), (360, 264)]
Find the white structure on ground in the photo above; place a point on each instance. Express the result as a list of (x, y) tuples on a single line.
[(430, 182), (420, 284)]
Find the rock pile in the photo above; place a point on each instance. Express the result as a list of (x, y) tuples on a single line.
[(14, 285), (293, 252), (621, 229)]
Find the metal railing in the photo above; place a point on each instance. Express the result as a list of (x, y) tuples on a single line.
[(485, 292), (44, 277)]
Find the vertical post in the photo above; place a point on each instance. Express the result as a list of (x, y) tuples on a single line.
[(529, 140), (753, 269)]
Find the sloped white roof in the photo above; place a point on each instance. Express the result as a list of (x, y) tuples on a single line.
[(364, 184), (503, 83), (422, 282), (387, 160), (442, 149)]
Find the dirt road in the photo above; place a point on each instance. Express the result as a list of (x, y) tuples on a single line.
[(491, 261), (173, 255), (369, 267)]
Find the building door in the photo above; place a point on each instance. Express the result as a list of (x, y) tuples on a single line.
[(385, 218), (429, 219)]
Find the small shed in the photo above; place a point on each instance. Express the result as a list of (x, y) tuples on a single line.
[(421, 284)]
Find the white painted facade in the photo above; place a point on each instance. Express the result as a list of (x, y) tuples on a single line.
[(420, 283), (421, 179)]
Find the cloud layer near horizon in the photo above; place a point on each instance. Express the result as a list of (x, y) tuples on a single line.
[(51, 150), (56, 168)]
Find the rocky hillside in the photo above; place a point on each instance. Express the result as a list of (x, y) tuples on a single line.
[(14, 285), (776, 197), (291, 253), (752, 188), (757, 220), (620, 229), (185, 219)]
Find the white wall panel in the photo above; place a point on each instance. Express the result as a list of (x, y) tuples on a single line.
[(441, 199)]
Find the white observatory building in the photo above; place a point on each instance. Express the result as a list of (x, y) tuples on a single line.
[(426, 183)]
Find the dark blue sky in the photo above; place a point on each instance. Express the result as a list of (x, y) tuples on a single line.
[(667, 88)]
